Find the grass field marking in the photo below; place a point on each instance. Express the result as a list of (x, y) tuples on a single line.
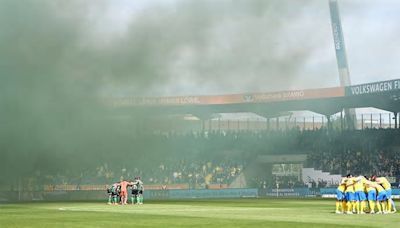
[(191, 208), (314, 212), (248, 213)]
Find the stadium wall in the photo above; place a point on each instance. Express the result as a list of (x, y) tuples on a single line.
[(288, 192), (94, 195), (101, 195)]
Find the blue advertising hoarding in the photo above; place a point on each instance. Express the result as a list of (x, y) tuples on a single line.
[(373, 88)]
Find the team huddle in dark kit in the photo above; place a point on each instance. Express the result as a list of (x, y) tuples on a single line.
[(118, 192)]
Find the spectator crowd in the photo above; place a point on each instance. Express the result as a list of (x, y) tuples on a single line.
[(200, 159)]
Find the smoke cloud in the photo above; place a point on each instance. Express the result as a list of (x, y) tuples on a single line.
[(59, 59)]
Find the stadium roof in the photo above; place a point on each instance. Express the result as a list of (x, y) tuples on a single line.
[(328, 101)]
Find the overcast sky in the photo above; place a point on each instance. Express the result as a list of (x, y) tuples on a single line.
[(256, 45), (193, 47)]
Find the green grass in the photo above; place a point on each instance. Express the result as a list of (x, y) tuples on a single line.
[(190, 213)]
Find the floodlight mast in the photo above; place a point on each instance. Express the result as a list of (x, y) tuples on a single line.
[(341, 58)]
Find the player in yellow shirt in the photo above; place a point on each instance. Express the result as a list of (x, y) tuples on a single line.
[(340, 197), (371, 196), (381, 198), (388, 188), (350, 195), (360, 197)]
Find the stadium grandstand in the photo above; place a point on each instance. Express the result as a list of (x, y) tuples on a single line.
[(188, 113), (273, 151)]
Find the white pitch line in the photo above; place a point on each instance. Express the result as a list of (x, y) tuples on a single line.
[(165, 209)]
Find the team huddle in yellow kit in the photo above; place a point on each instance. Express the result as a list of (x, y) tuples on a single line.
[(362, 195)]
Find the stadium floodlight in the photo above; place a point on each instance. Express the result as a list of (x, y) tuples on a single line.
[(341, 58)]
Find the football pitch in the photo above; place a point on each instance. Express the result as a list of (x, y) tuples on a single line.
[(190, 213)]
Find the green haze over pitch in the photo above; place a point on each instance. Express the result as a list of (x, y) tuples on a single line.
[(60, 59)]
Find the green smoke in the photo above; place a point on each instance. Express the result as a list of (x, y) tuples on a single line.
[(58, 61)]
